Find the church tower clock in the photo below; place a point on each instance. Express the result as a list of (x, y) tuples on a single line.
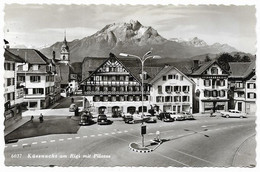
[(65, 52)]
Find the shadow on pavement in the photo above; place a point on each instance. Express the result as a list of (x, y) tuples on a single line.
[(55, 125)]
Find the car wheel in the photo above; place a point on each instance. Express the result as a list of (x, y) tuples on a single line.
[(241, 117), (227, 116)]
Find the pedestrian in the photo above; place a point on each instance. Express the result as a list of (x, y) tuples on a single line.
[(41, 118), (211, 113), (32, 118), (72, 100)]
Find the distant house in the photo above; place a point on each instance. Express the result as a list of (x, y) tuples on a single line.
[(13, 94), (36, 75), (242, 83), (172, 91), (211, 87)]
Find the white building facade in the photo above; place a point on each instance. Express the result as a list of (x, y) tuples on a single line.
[(211, 88), (171, 91)]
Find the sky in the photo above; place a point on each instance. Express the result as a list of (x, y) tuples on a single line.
[(42, 25)]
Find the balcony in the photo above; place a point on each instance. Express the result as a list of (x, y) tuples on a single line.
[(115, 92)]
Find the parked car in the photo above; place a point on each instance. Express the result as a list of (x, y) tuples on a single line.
[(86, 119), (128, 118), (102, 120), (73, 107), (234, 113), (187, 115), (151, 119), (177, 117), (165, 116)]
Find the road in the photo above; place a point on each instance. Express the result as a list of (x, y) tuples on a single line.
[(205, 142)]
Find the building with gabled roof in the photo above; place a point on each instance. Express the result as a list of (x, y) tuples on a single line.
[(211, 88), (171, 90), (242, 85), (114, 87), (36, 75)]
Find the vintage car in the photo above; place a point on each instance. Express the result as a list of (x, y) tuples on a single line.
[(234, 114), (86, 119), (102, 120), (177, 117), (187, 115)]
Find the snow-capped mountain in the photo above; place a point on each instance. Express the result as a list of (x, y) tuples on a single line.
[(134, 38)]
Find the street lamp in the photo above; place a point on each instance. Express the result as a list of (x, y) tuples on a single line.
[(142, 59)]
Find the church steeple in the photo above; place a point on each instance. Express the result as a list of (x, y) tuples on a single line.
[(65, 53)]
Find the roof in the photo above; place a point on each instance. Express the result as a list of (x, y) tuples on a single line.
[(165, 70), (12, 57), (205, 66), (129, 64), (151, 72), (63, 71), (31, 56), (241, 69)]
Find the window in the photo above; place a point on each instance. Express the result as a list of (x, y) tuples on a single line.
[(159, 99), (35, 78), (222, 82), (168, 89), (185, 99), (104, 78), (177, 77), (206, 93), (169, 76), (251, 85), (222, 93), (181, 78), (215, 93), (251, 95), (137, 98), (122, 88), (241, 94), (113, 98), (207, 83), (177, 98), (164, 78), (113, 89), (214, 71), (177, 89), (159, 89), (10, 81), (21, 78), (113, 78), (7, 66), (37, 90), (129, 88), (97, 88), (121, 78), (168, 98), (185, 89), (239, 85)]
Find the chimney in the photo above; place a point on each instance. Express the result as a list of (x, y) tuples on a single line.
[(53, 55), (7, 46)]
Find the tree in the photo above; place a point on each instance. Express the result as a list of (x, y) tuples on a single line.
[(224, 59), (237, 57), (246, 58), (207, 59)]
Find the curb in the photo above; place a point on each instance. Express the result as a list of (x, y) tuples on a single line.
[(143, 151)]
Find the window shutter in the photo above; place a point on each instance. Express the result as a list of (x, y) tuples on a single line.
[(254, 95), (204, 82)]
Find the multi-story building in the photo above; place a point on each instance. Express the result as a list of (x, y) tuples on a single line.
[(113, 87), (211, 87), (37, 77), (171, 91), (242, 83), (12, 92)]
